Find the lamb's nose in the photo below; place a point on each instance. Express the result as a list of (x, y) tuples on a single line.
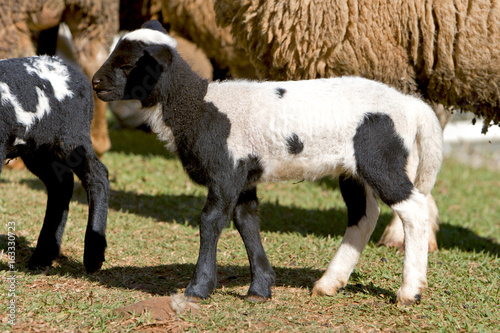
[(96, 82)]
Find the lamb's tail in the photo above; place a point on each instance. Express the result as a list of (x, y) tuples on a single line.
[(430, 150)]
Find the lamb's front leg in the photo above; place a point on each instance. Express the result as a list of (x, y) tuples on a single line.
[(246, 220), (59, 183), (362, 212), (214, 217)]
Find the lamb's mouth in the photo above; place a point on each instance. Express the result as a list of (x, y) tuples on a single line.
[(103, 93)]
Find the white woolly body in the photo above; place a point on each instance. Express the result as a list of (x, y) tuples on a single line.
[(305, 130), (323, 113)]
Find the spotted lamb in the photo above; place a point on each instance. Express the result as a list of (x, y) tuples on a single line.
[(47, 110), (232, 135)]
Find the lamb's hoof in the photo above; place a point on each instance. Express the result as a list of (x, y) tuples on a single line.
[(409, 301), (194, 299), (38, 267), (93, 267), (257, 298), (37, 261), (93, 261), (411, 296), (321, 289)]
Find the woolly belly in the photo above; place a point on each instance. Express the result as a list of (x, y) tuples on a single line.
[(276, 170)]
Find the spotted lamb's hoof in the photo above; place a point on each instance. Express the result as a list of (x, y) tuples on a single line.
[(410, 295), (324, 289), (415, 299)]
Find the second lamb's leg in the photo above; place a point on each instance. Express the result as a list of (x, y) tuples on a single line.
[(59, 183), (362, 213)]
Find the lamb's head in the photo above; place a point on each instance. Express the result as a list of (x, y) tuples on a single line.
[(135, 66)]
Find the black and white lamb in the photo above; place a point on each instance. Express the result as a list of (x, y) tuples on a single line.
[(47, 110), (232, 135)]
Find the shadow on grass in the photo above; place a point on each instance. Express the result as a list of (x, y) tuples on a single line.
[(187, 208), (137, 142), (166, 279), (277, 218)]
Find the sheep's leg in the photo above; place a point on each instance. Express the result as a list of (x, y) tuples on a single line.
[(362, 213), (94, 177), (59, 184), (414, 213), (214, 217), (393, 235), (246, 220), (399, 193)]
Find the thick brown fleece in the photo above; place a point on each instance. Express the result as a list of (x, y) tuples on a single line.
[(448, 50), (195, 21)]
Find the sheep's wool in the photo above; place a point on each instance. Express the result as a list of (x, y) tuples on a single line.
[(449, 51)]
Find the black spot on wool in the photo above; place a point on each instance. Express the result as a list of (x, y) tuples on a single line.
[(280, 92), (294, 144), (381, 158)]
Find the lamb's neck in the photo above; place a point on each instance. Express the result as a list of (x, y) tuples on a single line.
[(180, 107), (184, 97)]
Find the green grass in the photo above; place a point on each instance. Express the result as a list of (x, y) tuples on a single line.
[(153, 242)]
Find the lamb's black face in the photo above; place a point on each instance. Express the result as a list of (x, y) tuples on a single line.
[(131, 71)]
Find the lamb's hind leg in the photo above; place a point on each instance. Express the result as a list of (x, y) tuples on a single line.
[(94, 177), (414, 213), (59, 184), (246, 220), (362, 213), (393, 235), (398, 192)]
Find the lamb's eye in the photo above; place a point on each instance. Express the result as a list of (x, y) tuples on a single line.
[(127, 67)]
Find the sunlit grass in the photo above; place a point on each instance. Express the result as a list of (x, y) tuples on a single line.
[(153, 243)]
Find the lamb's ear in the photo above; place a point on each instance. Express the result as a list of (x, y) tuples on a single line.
[(154, 25), (160, 53)]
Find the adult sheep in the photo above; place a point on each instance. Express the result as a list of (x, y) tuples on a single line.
[(446, 51), (232, 135), (29, 27), (46, 112)]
